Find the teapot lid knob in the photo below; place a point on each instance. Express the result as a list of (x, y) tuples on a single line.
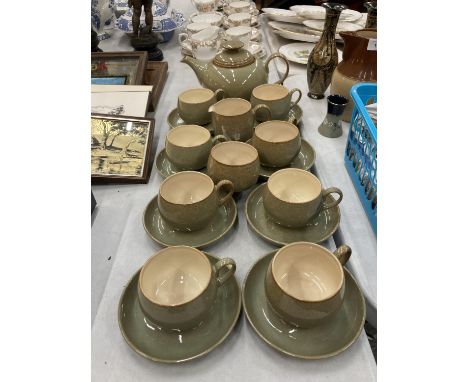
[(232, 44)]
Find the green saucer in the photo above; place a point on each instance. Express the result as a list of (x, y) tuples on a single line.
[(161, 232), (304, 160), (174, 120), (325, 340), (166, 168), (319, 229), (160, 345)]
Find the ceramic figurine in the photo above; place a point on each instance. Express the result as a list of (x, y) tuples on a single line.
[(143, 38), (331, 125), (359, 64), (371, 7), (324, 57), (234, 70), (102, 17)]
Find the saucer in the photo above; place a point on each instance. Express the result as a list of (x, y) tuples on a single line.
[(304, 160), (323, 341), (319, 228), (174, 120), (160, 345), (160, 231), (166, 168)]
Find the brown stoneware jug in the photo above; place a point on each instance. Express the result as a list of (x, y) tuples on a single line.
[(359, 64)]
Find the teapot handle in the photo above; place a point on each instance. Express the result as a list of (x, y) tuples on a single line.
[(278, 55)]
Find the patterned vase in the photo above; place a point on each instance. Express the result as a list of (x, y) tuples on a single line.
[(103, 17)]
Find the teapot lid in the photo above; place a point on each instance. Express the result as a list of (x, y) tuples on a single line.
[(233, 56)]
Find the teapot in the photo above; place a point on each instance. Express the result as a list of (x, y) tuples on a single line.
[(235, 70)]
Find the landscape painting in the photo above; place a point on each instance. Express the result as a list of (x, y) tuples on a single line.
[(120, 146)]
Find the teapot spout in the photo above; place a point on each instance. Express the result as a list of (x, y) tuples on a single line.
[(199, 67)]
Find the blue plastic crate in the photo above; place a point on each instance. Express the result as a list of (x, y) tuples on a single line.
[(361, 150)]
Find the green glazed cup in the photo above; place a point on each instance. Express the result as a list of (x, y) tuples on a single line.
[(237, 162), (277, 143), (305, 282), (293, 196), (177, 286), (235, 118), (193, 105), (188, 200), (188, 146), (277, 97)]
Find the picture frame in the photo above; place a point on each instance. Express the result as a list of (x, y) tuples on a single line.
[(114, 66), (121, 148)]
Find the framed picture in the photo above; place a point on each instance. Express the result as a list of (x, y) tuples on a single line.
[(120, 149), (118, 68)]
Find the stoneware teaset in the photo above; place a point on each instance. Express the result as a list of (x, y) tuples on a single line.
[(300, 299)]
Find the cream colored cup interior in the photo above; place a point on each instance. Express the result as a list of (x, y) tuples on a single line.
[(234, 153), (307, 272), (270, 92), (276, 131), (175, 275), (196, 96), (186, 187), (231, 107), (188, 136), (294, 185)]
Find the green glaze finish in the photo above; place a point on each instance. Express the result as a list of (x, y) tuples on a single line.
[(234, 70), (197, 112), (166, 168), (318, 229), (297, 312), (174, 120), (295, 115), (297, 215), (162, 233), (277, 154), (304, 160), (242, 176), (322, 341), (191, 157), (279, 107), (239, 127), (195, 216), (190, 314), (160, 345)]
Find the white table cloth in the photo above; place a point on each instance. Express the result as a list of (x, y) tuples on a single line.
[(120, 246)]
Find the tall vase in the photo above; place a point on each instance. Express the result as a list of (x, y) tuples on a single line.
[(371, 7), (324, 57), (359, 64)]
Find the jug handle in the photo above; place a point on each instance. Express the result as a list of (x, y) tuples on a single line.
[(278, 55)]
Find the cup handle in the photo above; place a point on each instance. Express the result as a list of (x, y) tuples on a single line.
[(298, 98), (182, 37), (229, 186), (262, 106), (219, 94), (230, 268), (342, 253), (278, 55), (331, 190), (219, 139)]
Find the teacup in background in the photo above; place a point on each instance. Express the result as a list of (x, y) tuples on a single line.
[(238, 7), (235, 161), (277, 143), (305, 282), (177, 286), (191, 29), (293, 196), (212, 18), (276, 97), (241, 33), (204, 6), (205, 44), (239, 19), (188, 200), (235, 118), (188, 146), (193, 105)]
